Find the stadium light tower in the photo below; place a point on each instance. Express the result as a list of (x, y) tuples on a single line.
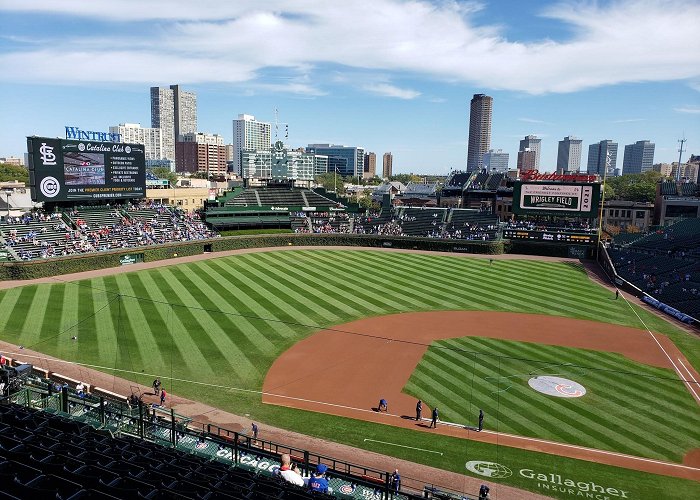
[(680, 155)]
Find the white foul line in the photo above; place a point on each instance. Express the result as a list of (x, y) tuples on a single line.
[(403, 446), (675, 367)]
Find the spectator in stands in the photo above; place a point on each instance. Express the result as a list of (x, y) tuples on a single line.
[(318, 481), (289, 472), (395, 481)]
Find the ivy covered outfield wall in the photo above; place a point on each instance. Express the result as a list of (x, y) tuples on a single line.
[(101, 260)]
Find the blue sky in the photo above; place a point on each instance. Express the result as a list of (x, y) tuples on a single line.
[(388, 75)]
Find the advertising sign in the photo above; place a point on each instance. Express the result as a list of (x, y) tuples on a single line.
[(559, 237), (553, 198), (63, 170)]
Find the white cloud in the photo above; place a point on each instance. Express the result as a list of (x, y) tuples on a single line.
[(530, 120), (629, 120), (692, 109), (209, 40), (388, 90)]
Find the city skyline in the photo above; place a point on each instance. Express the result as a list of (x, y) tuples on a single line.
[(541, 65)]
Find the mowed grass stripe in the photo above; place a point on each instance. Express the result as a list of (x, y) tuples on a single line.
[(232, 333), (238, 307), (321, 308), (614, 382), (24, 307), (520, 401), (127, 354), (391, 289), (316, 287), (238, 303), (421, 285), (36, 314), (135, 324), (590, 417), (53, 322), (364, 294), (197, 343), (158, 325), (325, 285), (8, 301), (89, 346), (276, 302)]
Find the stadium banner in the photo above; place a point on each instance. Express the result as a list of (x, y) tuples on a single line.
[(68, 170), (671, 311), (551, 236), (556, 198), (130, 258)]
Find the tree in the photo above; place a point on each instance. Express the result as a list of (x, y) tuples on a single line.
[(165, 173), (331, 181), (634, 187), (200, 175), (365, 201), (405, 178), (9, 172)]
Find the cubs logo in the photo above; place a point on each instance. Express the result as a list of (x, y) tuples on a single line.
[(347, 489)]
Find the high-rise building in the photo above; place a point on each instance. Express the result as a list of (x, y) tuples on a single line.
[(151, 138), (249, 134), (533, 143), (638, 158), (387, 165), (348, 161), (280, 163), (526, 160), (495, 160), (601, 154), (480, 112), (198, 152), (370, 169), (229, 152), (174, 112), (569, 155)]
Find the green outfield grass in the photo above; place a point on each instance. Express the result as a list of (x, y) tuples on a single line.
[(223, 321), (624, 402)]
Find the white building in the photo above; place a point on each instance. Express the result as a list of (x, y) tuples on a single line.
[(532, 143), (249, 134), (495, 160), (174, 111), (151, 138), (569, 154)]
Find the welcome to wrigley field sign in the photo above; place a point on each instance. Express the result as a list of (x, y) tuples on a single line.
[(573, 199), (548, 482)]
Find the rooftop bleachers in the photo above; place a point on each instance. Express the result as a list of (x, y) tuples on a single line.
[(283, 197), (470, 224)]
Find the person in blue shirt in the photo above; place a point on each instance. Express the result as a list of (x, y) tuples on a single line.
[(318, 481), (395, 481), (433, 422), (383, 405)]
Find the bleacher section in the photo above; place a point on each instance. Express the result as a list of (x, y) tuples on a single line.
[(422, 222), (34, 238), (62, 443), (470, 224), (664, 264), (257, 197)]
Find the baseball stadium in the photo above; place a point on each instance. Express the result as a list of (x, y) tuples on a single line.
[(271, 348)]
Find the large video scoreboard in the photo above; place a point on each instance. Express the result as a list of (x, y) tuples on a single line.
[(68, 170), (556, 198)]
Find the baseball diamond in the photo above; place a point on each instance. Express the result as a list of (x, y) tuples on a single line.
[(335, 330)]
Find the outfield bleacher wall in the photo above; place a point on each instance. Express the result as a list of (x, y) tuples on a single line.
[(86, 262)]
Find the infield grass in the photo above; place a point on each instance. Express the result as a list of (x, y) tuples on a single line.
[(222, 322)]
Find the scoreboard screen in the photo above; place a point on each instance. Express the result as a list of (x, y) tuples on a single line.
[(556, 198), (68, 170), (554, 236)]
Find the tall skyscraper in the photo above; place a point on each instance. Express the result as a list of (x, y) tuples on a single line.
[(151, 138), (526, 160), (569, 154), (249, 134), (370, 169), (387, 165), (495, 160), (348, 161), (533, 143), (638, 158), (598, 154), (480, 112), (174, 112)]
